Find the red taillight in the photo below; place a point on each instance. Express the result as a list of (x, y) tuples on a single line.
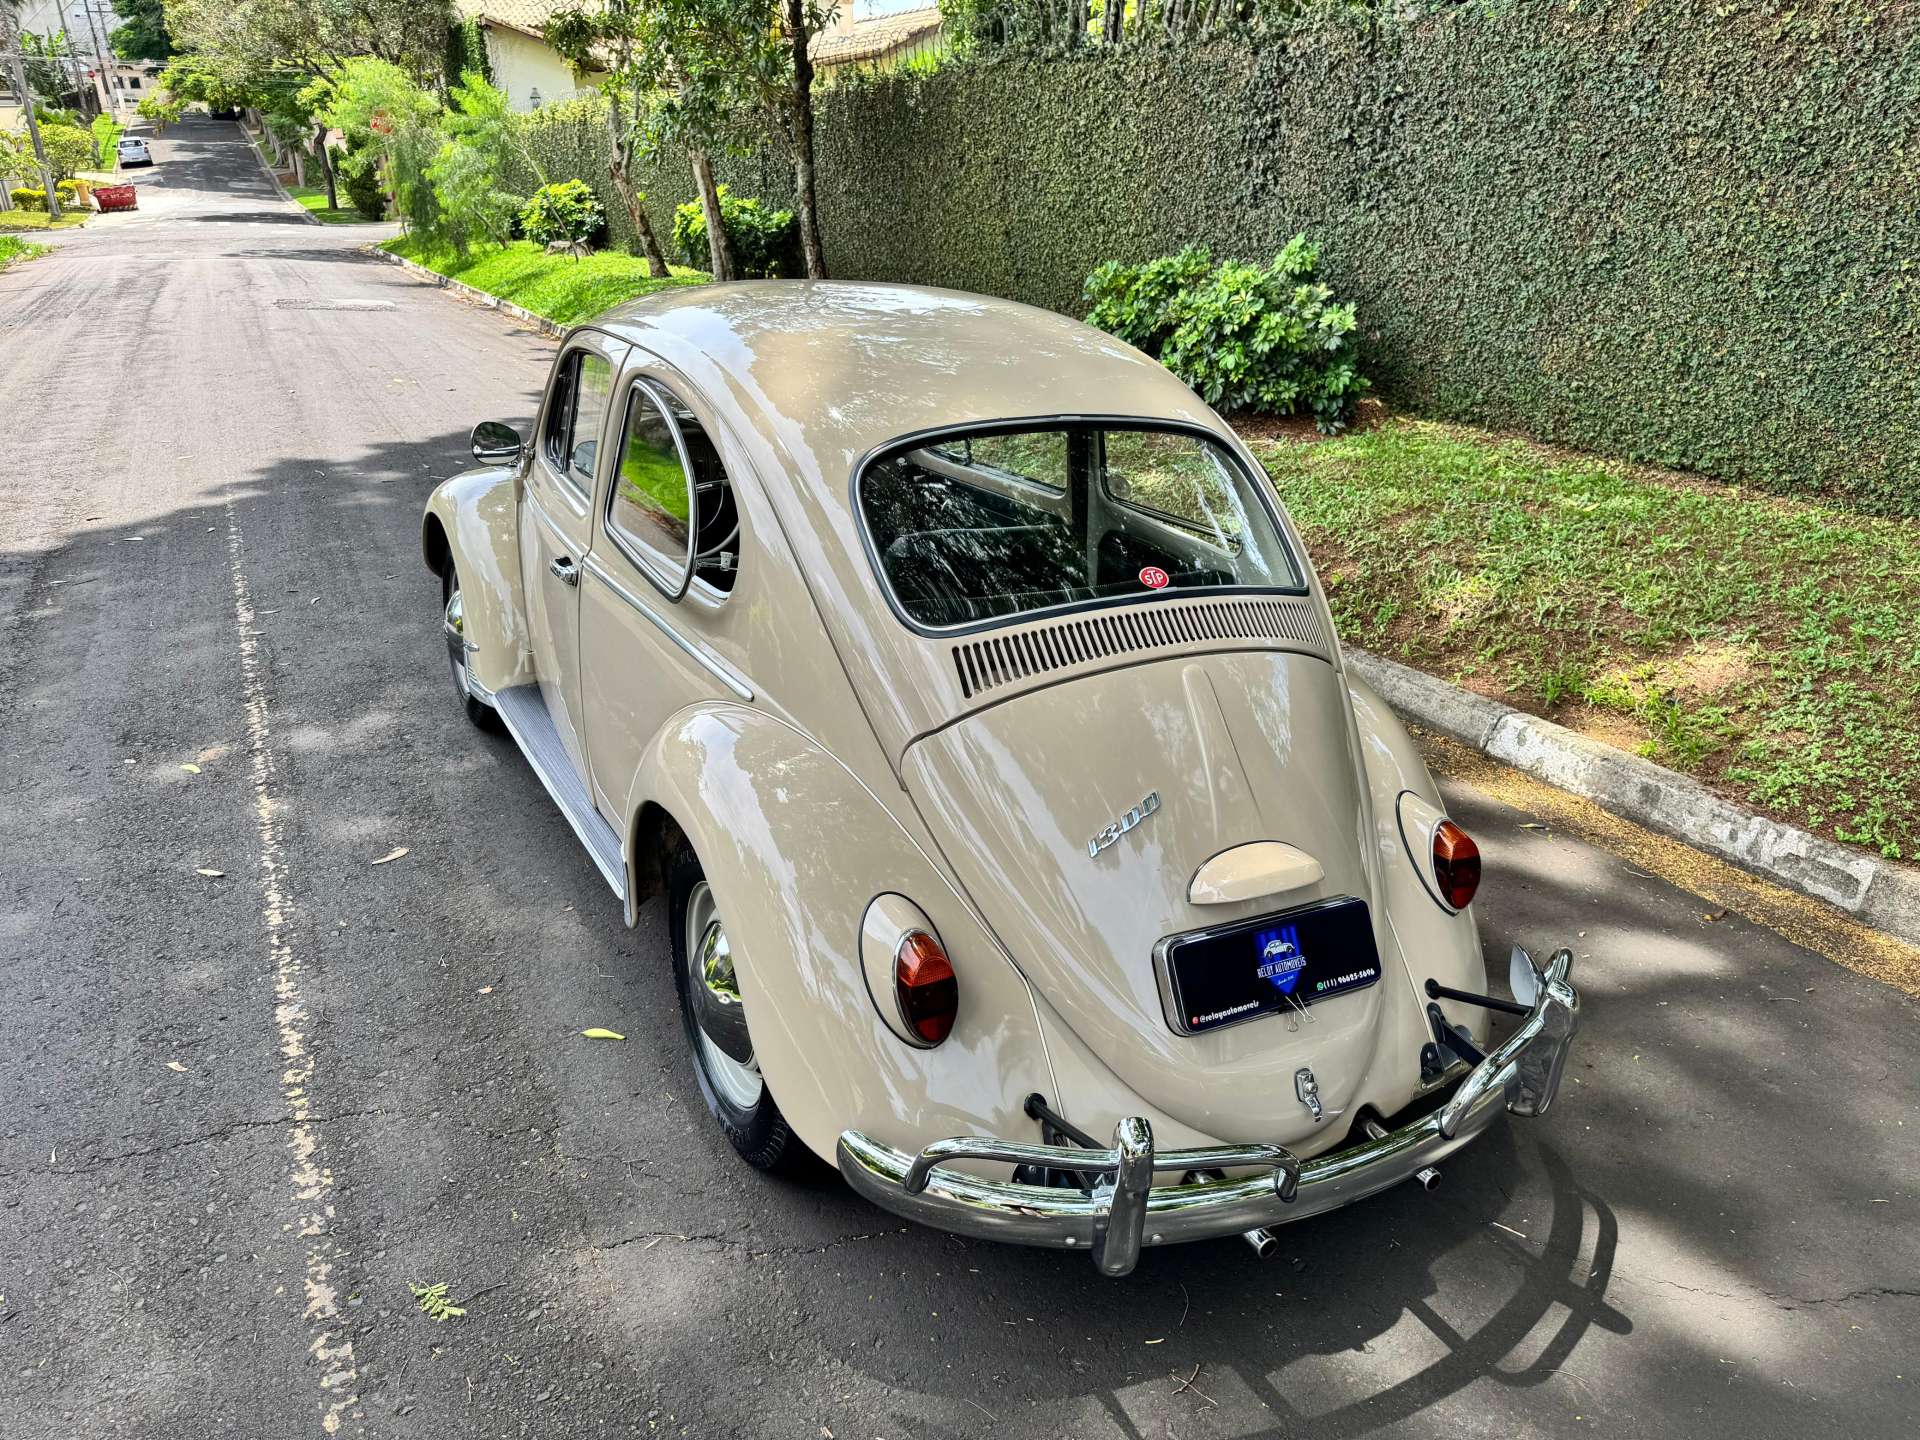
[(923, 980), (1456, 864)]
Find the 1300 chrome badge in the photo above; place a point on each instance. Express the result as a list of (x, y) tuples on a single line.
[(1125, 823)]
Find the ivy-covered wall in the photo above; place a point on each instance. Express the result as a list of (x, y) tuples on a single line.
[(1685, 231)]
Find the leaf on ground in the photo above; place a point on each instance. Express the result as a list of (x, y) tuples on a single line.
[(176, 1065), (391, 855), (434, 1303), (210, 874), (1713, 915), (191, 769), (1532, 825), (596, 1033)]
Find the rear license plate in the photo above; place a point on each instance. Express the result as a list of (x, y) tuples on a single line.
[(1213, 978)]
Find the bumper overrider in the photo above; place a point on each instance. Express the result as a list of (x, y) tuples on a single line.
[(1125, 1210)]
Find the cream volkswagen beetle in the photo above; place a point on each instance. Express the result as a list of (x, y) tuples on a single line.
[(954, 675)]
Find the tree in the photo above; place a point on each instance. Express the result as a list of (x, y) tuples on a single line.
[(160, 109), (315, 37), (621, 38), (804, 18), (143, 35), (389, 122), (486, 140), (69, 149), (49, 65)]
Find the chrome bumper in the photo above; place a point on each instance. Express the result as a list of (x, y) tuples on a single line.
[(1125, 1210)]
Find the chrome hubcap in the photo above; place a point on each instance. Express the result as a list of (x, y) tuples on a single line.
[(456, 632), (720, 1017)]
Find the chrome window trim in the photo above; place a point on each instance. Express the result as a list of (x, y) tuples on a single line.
[(1256, 479), (636, 550), (719, 669)]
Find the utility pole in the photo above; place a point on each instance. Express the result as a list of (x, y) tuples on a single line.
[(109, 100), (10, 39)]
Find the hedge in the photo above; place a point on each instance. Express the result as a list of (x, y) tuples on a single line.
[(1681, 231)]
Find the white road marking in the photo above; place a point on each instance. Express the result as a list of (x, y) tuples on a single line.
[(330, 1345)]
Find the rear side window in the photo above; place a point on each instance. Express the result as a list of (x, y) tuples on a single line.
[(671, 506), (991, 525)]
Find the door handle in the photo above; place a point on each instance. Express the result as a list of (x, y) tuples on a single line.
[(564, 570)]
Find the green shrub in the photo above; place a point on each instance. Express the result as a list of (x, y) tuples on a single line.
[(29, 197), (69, 148), (766, 242), (361, 181), (1134, 301), (1247, 337), (567, 211)]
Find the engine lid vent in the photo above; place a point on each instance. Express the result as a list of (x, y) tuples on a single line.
[(1013, 656)]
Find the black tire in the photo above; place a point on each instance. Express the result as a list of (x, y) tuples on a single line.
[(758, 1131), (478, 711)]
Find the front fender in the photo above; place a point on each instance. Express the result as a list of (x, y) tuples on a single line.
[(794, 846), (473, 519)]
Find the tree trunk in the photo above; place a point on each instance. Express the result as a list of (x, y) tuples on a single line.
[(719, 243), (806, 199), (1115, 16), (622, 149), (325, 157)]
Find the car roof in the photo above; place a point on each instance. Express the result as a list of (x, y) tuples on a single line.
[(839, 368), (814, 376)]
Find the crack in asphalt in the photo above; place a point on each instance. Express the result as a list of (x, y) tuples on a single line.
[(741, 1247), (1775, 1298), (225, 1132)]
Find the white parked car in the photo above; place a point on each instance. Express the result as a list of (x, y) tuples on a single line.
[(134, 151)]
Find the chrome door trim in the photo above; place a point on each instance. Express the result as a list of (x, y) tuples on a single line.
[(714, 667)]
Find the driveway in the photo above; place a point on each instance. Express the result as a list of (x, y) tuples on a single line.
[(245, 1110)]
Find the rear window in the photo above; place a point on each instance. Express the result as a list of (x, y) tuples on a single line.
[(972, 528)]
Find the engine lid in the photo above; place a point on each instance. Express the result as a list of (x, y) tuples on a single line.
[(1078, 817)]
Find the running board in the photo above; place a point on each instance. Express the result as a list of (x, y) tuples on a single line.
[(528, 721)]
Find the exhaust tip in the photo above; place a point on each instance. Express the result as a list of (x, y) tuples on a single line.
[(1265, 1243), (1429, 1178)]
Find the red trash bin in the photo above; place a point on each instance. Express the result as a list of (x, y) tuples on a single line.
[(115, 197)]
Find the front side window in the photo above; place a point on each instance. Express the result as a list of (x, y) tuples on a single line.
[(984, 526), (581, 393)]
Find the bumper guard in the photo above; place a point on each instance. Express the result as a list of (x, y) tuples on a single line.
[(1125, 1210)]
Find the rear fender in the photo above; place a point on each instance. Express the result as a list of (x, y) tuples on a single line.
[(473, 519), (795, 847), (1434, 944)]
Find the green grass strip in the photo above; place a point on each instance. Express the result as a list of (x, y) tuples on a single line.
[(1770, 647), (562, 289)]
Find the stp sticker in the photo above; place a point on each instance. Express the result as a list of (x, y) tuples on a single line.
[(1154, 578)]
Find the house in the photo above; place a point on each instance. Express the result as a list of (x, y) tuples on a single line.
[(531, 71), (877, 35)]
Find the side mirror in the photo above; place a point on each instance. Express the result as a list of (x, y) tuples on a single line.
[(496, 443)]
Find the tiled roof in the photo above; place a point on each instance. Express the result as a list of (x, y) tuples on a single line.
[(872, 39), (528, 15)]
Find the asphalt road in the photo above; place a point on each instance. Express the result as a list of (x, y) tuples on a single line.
[(244, 1112)]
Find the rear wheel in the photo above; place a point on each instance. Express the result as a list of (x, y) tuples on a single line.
[(716, 1022), (453, 617)]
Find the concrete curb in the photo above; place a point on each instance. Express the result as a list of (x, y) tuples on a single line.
[(1873, 891), (468, 292), (274, 180)]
